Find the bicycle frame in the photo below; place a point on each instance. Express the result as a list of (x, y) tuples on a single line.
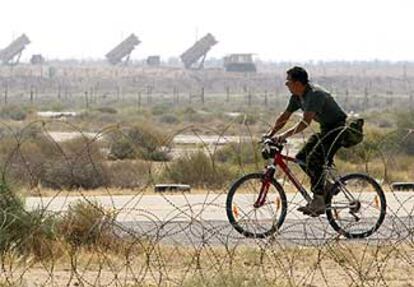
[(280, 160)]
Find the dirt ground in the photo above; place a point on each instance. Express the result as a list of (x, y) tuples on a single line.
[(334, 264)]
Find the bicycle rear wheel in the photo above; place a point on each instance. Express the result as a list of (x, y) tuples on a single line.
[(250, 221), (356, 206)]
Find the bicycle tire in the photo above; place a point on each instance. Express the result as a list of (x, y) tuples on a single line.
[(235, 193), (343, 219)]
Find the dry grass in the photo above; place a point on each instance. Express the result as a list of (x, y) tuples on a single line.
[(336, 264), (389, 168)]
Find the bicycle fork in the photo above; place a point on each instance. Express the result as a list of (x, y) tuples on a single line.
[(267, 178)]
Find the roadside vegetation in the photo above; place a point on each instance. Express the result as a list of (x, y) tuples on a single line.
[(135, 149)]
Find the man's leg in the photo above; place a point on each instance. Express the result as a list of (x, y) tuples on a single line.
[(311, 156), (335, 143), (318, 152), (322, 154), (313, 167)]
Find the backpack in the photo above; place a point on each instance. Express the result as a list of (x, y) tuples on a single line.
[(353, 133)]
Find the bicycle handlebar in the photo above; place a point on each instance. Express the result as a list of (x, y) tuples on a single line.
[(270, 142)]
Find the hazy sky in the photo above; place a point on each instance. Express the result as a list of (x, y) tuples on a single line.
[(297, 30)]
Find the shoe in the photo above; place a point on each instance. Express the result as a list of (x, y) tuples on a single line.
[(314, 208)]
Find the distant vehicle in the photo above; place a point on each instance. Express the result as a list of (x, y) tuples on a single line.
[(37, 59), (239, 63), (153, 61)]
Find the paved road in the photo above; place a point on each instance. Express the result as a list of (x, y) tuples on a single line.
[(198, 218)]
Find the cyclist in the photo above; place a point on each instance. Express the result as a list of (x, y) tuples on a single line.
[(317, 104)]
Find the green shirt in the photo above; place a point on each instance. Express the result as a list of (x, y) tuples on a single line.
[(327, 111)]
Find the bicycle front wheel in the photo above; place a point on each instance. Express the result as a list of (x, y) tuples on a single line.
[(356, 206), (248, 220)]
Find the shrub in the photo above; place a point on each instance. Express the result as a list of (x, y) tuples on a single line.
[(87, 224), (80, 165), (122, 148), (197, 118), (405, 132), (369, 149), (25, 232), (191, 115), (23, 155), (246, 119), (13, 112), (73, 174), (169, 119), (197, 169), (107, 110), (41, 238), (160, 110), (129, 174), (189, 111), (54, 105), (239, 153), (11, 215), (143, 142), (31, 158), (24, 164)]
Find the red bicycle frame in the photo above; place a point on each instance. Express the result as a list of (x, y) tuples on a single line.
[(279, 160)]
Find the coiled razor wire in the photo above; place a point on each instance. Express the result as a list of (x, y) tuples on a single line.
[(136, 237)]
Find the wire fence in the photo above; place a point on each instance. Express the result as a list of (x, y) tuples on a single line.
[(80, 209)]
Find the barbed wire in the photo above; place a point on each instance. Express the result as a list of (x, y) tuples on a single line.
[(67, 219)]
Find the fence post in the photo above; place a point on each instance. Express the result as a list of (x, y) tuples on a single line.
[(139, 99), (265, 98), (31, 94), (249, 98), (227, 94), (202, 95), (6, 91), (96, 88), (365, 98), (176, 95), (86, 100), (346, 98), (118, 93), (92, 95), (389, 96), (149, 92)]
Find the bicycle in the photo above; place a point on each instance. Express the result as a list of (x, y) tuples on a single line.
[(256, 203)]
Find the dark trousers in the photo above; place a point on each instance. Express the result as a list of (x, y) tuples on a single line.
[(319, 151)]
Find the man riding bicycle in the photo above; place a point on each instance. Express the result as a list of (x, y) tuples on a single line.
[(317, 104)]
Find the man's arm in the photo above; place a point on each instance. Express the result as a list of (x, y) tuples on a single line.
[(280, 123), (303, 124)]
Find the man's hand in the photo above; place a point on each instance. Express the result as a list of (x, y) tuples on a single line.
[(280, 138), (265, 137), (270, 133)]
